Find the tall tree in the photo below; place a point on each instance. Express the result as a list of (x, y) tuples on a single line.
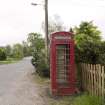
[(37, 45), (87, 39), (26, 49), (54, 24), (2, 54), (87, 32), (17, 51), (35, 41), (8, 50)]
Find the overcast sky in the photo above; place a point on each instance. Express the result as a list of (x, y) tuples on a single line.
[(18, 17)]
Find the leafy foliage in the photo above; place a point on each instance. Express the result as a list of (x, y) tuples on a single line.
[(86, 32), (35, 41), (101, 50), (17, 51), (8, 50), (42, 66), (54, 24), (37, 45), (26, 49), (88, 43), (2, 54)]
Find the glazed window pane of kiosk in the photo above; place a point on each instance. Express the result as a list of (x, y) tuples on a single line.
[(62, 63), (62, 70)]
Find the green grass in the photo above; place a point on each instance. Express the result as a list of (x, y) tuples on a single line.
[(9, 61), (77, 100), (83, 99), (87, 100)]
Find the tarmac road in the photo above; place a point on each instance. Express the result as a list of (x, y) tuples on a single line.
[(16, 87)]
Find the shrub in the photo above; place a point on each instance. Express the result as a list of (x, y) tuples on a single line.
[(2, 54), (37, 45), (43, 69), (17, 51), (39, 62), (91, 52), (87, 53), (89, 46)]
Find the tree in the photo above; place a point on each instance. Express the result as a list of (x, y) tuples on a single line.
[(87, 32), (87, 39), (8, 50), (26, 49), (54, 24), (2, 54), (35, 41), (71, 30), (101, 48), (17, 51), (37, 45)]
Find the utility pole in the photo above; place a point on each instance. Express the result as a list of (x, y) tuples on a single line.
[(46, 30)]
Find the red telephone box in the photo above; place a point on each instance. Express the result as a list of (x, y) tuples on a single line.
[(62, 64)]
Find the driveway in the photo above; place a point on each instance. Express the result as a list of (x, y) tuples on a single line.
[(16, 86)]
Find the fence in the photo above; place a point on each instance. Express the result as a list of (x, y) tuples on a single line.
[(93, 79)]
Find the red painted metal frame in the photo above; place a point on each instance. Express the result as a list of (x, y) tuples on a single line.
[(56, 90)]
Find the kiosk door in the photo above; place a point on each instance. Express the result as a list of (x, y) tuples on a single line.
[(62, 64)]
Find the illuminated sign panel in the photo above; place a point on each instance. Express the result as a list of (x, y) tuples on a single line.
[(62, 37)]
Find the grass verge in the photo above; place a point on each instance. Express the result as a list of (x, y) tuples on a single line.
[(83, 99), (9, 61)]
